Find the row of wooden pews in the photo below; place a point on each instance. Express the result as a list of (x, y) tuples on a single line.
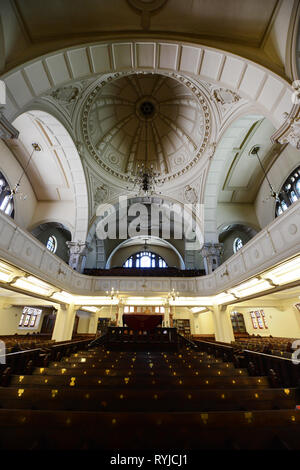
[(188, 399)]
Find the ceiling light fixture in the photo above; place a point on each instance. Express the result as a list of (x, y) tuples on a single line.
[(16, 189), (146, 178)]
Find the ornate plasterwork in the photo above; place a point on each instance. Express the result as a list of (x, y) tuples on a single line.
[(111, 160), (292, 132), (68, 96), (101, 194), (190, 194), (225, 97)]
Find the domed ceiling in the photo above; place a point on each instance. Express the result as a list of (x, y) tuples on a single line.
[(146, 119)]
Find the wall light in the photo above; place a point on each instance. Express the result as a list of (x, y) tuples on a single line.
[(34, 285), (90, 309), (286, 272)]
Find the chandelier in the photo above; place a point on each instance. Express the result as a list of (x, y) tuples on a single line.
[(254, 151), (146, 179)]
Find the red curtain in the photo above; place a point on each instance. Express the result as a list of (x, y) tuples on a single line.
[(145, 322)]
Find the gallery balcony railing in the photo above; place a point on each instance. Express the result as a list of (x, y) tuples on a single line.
[(277, 242)]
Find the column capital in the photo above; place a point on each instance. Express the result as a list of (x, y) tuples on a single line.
[(211, 253), (7, 130), (212, 249), (289, 131), (77, 251)]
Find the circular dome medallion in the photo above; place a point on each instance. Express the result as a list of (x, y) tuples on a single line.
[(146, 119)]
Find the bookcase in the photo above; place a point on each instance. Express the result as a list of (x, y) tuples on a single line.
[(238, 322), (183, 327)]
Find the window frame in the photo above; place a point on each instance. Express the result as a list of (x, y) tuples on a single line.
[(51, 243), (135, 260), (289, 192), (6, 200)]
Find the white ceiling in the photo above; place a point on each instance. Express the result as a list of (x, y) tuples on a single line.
[(48, 170)]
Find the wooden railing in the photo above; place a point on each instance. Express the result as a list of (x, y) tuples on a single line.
[(281, 371), (129, 338)]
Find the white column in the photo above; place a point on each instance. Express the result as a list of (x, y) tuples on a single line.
[(223, 325), (120, 314), (192, 324), (77, 252), (211, 253), (93, 324), (167, 316), (64, 323)]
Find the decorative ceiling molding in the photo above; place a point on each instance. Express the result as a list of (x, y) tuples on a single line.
[(193, 90)]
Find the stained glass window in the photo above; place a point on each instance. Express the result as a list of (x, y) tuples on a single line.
[(30, 317)]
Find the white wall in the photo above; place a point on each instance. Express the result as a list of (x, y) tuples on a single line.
[(83, 323), (282, 322), (9, 322), (204, 324), (229, 213), (62, 212)]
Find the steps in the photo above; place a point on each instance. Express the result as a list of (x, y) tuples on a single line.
[(100, 399)]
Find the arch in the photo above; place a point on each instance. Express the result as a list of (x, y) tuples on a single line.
[(57, 145), (154, 239), (232, 152), (189, 213), (251, 226), (253, 81), (56, 220)]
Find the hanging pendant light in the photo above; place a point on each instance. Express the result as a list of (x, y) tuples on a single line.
[(146, 178), (16, 189), (254, 151)]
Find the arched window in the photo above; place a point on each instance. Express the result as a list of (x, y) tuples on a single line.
[(6, 200), (237, 244), (289, 193), (52, 244), (145, 259)]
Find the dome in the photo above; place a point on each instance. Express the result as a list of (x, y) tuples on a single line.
[(146, 119)]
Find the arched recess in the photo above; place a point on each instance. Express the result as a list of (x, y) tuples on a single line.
[(59, 232), (152, 243), (234, 176), (56, 172), (229, 234), (184, 231)]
